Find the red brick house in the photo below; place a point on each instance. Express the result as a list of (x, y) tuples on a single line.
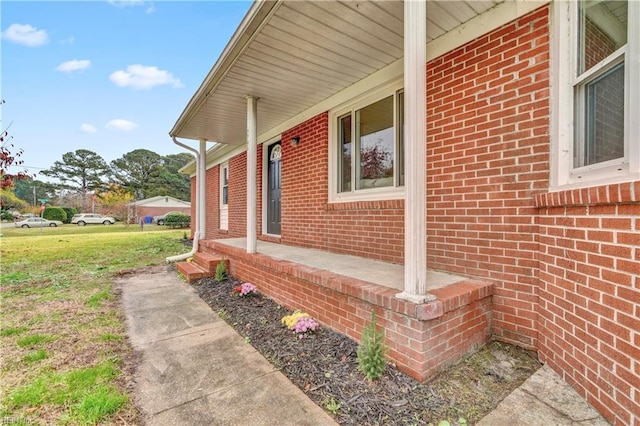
[(492, 141), (156, 206)]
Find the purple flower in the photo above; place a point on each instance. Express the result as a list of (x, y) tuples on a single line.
[(248, 288), (305, 324)]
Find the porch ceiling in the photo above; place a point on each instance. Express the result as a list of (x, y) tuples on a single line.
[(294, 54)]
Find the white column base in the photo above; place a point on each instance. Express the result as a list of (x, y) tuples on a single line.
[(416, 298)]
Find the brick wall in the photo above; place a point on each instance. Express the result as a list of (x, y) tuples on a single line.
[(422, 338), (590, 294), (370, 229), (212, 202), (488, 153)]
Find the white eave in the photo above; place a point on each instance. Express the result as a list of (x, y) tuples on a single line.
[(296, 54)]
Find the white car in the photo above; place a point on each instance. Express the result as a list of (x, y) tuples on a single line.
[(37, 222), (92, 218)]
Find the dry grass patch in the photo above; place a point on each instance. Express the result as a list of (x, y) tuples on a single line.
[(65, 356)]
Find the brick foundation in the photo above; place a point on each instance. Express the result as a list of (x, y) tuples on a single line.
[(590, 294), (422, 338)]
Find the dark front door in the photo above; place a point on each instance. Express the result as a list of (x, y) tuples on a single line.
[(274, 188)]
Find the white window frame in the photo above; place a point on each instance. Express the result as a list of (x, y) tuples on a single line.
[(564, 56), (394, 192), (224, 207)]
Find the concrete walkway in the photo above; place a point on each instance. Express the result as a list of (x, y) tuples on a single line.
[(195, 369), (544, 400)]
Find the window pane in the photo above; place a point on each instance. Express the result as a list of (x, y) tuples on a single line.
[(225, 185), (604, 119), (344, 166), (603, 29), (375, 134)]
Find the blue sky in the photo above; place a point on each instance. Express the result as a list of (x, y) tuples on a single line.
[(107, 76)]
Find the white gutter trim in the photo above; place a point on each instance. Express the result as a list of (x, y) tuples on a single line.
[(184, 256), (196, 235)]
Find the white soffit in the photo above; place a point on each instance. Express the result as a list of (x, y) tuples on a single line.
[(296, 54)]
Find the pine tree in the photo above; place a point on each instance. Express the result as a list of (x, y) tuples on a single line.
[(372, 350)]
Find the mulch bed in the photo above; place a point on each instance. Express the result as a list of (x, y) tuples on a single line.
[(324, 365)]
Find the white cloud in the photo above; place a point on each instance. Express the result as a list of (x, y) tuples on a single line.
[(87, 128), (143, 77), (128, 3), (68, 40), (26, 35), (121, 124), (125, 3), (74, 65)]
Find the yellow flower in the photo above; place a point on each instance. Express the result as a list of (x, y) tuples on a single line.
[(290, 320)]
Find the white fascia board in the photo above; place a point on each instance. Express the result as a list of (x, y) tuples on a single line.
[(252, 23)]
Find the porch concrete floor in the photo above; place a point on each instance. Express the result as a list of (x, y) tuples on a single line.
[(372, 271)]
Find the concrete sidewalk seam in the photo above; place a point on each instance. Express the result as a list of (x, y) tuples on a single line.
[(224, 389), (561, 413), (213, 325), (157, 307)]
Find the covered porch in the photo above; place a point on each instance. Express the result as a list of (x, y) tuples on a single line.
[(341, 291)]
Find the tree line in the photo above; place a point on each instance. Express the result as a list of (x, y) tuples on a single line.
[(83, 178)]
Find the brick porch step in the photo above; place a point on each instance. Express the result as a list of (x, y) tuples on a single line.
[(191, 271), (208, 262)]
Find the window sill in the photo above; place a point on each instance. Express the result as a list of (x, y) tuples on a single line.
[(366, 205), (615, 193), (373, 195)]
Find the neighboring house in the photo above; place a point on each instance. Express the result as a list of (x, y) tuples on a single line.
[(507, 152), (156, 206)]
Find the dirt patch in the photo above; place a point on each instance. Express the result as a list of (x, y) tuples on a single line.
[(324, 365)]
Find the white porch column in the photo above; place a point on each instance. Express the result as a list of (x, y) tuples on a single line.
[(201, 186), (252, 171), (415, 113)]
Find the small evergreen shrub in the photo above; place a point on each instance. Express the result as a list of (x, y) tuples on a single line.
[(221, 270), (177, 220), (372, 350), (55, 213), (70, 211)]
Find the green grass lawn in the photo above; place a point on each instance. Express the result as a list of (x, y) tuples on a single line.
[(62, 332)]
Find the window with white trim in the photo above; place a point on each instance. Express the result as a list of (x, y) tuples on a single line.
[(368, 148), (224, 196), (599, 83), (597, 134), (224, 185)]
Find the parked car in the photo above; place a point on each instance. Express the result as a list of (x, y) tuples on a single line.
[(37, 222), (160, 219), (83, 219)]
